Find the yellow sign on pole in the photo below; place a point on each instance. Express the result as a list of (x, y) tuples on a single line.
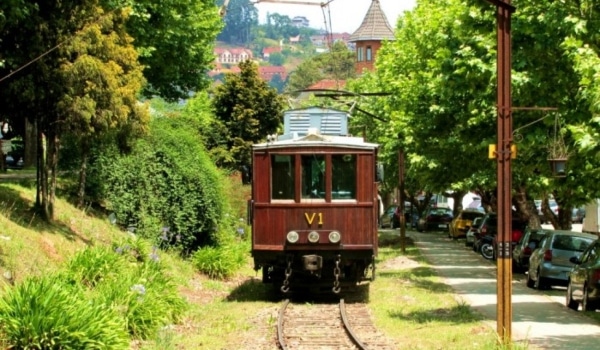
[(492, 151)]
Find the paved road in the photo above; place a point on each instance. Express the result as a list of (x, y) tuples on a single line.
[(539, 318)]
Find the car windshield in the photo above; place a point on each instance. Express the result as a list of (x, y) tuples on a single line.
[(572, 243)]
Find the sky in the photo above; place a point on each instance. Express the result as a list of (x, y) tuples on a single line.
[(346, 15)]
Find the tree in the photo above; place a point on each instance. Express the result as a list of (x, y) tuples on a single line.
[(240, 18), (441, 71), (175, 40), (276, 59), (277, 83), (249, 109), (104, 79), (337, 64)]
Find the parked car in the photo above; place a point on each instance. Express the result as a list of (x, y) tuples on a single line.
[(387, 218), (550, 263), (578, 215), (524, 247), (470, 235), (485, 236), (459, 225), (436, 219), (584, 280), (553, 207), (391, 216)]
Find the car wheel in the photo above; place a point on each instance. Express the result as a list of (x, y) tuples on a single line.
[(585, 303), (515, 267), (530, 282), (487, 251), (571, 304), (540, 282)]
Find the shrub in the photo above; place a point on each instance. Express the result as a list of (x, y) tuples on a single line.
[(130, 277), (41, 313), (169, 181), (222, 261), (145, 298)]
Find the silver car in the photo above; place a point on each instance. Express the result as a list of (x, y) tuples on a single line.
[(549, 264), (470, 235)]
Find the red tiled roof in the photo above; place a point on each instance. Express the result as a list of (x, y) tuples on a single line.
[(270, 50), (330, 84), (267, 72)]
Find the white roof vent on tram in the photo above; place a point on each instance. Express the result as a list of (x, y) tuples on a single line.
[(313, 131)]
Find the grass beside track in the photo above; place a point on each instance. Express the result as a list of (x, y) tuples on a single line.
[(408, 301)]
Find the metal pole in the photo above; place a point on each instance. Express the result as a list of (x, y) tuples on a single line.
[(401, 199), (503, 156)]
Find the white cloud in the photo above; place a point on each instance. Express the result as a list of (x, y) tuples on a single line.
[(341, 15)]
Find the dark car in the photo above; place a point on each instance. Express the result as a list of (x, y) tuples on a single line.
[(524, 247), (583, 286), (550, 264), (485, 236), (387, 219), (435, 219), (578, 215)]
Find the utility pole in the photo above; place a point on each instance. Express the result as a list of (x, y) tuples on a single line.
[(401, 170), (504, 174)]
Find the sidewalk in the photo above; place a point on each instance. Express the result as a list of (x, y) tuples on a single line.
[(539, 319)]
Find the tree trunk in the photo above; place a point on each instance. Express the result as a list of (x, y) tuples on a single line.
[(53, 143), (42, 177), (82, 177), (526, 208), (30, 144)]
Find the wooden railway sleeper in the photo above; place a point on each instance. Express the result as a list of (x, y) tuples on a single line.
[(336, 273), (288, 272)]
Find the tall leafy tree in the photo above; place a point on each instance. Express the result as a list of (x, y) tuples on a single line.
[(441, 70), (104, 78), (241, 17), (249, 109), (338, 64), (175, 40)]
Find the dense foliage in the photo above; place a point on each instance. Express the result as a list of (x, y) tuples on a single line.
[(75, 69), (168, 188), (250, 110), (103, 298), (441, 71)]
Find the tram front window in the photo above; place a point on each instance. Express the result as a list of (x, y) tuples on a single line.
[(343, 176), (313, 176), (282, 177)]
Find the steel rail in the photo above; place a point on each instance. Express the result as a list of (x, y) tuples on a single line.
[(347, 327), (280, 338)]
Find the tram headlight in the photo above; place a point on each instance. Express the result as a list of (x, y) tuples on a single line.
[(313, 237), (293, 236), (334, 237)]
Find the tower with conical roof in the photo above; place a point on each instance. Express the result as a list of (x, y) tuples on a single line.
[(374, 29)]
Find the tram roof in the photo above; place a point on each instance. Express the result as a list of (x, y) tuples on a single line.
[(315, 139)]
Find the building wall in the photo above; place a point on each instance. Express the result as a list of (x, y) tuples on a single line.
[(361, 62)]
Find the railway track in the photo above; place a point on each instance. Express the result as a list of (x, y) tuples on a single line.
[(328, 326)]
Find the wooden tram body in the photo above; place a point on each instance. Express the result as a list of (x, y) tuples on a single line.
[(314, 204)]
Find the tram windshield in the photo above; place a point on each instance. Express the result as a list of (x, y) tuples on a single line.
[(282, 176), (343, 177), (313, 176)]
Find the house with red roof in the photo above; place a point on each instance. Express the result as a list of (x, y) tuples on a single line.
[(267, 51), (232, 55), (268, 72)]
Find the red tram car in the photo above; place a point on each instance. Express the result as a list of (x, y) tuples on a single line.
[(314, 204)]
